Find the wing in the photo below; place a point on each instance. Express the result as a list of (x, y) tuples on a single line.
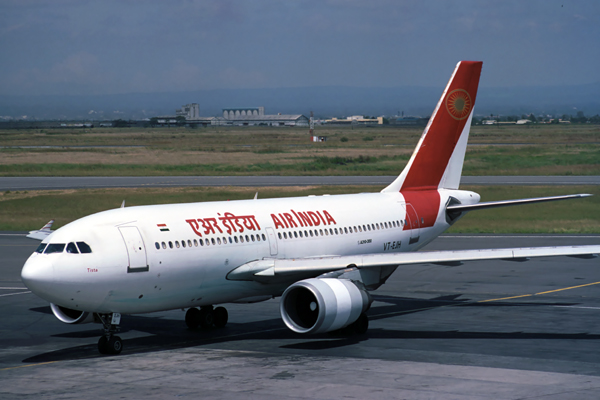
[(42, 233), (267, 270)]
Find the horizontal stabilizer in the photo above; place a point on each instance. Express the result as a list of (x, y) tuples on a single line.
[(503, 203)]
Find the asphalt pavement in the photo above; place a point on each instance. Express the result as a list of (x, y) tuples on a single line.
[(483, 330), (91, 182)]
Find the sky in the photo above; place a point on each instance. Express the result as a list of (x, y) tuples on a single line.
[(56, 47)]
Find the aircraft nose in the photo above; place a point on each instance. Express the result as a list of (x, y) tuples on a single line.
[(38, 275)]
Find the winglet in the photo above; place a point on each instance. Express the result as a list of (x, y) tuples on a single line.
[(438, 158)]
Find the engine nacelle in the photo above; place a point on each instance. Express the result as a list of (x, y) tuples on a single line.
[(69, 316), (322, 305)]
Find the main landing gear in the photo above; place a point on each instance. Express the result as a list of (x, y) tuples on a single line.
[(206, 317), (109, 343)]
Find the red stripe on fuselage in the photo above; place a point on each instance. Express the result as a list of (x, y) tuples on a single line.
[(440, 140), (426, 204)]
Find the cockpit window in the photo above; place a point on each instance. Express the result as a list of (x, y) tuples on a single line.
[(71, 248), (84, 247), (54, 248), (41, 248)]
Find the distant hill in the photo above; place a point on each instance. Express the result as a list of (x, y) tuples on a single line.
[(324, 101)]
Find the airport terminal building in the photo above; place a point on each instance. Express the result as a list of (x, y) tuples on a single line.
[(255, 116)]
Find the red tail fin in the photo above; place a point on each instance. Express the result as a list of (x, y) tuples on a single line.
[(438, 159)]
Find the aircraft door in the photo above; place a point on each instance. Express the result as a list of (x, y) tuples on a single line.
[(272, 241), (413, 223), (136, 251)]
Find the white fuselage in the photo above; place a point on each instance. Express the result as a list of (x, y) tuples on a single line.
[(153, 258)]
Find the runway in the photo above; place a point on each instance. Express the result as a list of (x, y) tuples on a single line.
[(497, 330), (91, 182)]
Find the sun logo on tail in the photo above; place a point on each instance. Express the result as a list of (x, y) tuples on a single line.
[(458, 104)]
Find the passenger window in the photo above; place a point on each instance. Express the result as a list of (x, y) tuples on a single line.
[(219, 240), (230, 240), (41, 248), (321, 232), (183, 243), (346, 229), (71, 248), (212, 240), (300, 233), (189, 243), (264, 237), (201, 242), (177, 243), (279, 234), (84, 248), (164, 245), (311, 233), (195, 243), (236, 239), (247, 239), (258, 238), (54, 248), (155, 244)]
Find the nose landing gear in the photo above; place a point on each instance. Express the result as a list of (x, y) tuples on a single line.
[(206, 317), (109, 343)]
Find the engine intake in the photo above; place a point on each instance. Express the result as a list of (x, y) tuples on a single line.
[(322, 305), (69, 316)]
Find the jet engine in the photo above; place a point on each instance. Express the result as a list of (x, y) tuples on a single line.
[(69, 316), (324, 305)]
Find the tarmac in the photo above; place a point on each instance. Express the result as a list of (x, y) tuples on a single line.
[(483, 330), (93, 182)]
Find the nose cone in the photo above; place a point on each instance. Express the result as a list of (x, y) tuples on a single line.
[(38, 275)]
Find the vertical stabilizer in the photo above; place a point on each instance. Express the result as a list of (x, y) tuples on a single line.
[(438, 159)]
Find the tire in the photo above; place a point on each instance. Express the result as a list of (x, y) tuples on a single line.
[(192, 318), (103, 345), (206, 318), (115, 345), (361, 325), (220, 317)]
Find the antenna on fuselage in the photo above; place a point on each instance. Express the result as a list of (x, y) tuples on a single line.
[(123, 204), (256, 196)]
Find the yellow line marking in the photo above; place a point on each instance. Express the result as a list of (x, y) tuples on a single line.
[(572, 287), (28, 365), (546, 292), (506, 298)]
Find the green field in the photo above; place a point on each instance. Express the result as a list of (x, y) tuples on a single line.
[(21, 211), (384, 150)]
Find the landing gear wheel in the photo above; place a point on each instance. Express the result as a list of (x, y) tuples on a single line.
[(115, 345), (109, 343), (361, 325), (103, 345), (220, 317), (192, 318), (206, 317)]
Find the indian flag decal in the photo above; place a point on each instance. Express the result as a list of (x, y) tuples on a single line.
[(163, 227)]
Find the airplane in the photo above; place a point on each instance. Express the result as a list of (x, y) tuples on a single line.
[(322, 254)]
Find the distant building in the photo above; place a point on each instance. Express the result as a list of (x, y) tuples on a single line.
[(356, 120), (255, 116), (189, 111), (233, 113)]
